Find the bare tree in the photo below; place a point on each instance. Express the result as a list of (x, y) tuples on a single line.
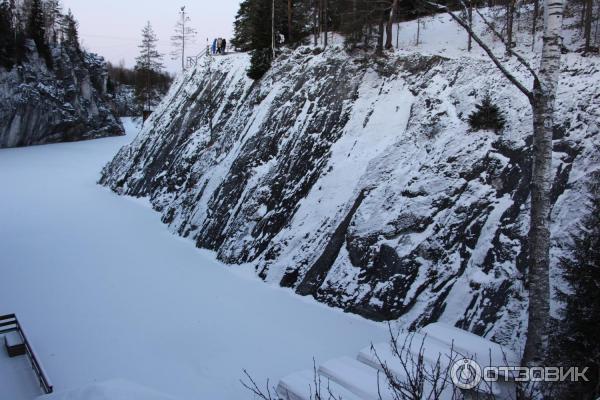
[(316, 390), (587, 24), (184, 34), (510, 17), (290, 16), (420, 380), (325, 22), (315, 25), (273, 40), (470, 19), (380, 32), (392, 17), (542, 98), (536, 13)]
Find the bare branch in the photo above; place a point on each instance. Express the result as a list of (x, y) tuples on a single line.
[(510, 50), (253, 387), (487, 50)]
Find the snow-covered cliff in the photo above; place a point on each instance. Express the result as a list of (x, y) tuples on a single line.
[(357, 181), (68, 103)]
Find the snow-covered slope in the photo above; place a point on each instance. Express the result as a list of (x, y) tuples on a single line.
[(357, 181), (67, 103)]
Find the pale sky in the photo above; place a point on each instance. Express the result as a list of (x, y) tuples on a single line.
[(112, 28)]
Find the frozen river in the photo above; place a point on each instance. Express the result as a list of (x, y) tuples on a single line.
[(105, 291)]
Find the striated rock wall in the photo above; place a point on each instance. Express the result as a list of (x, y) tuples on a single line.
[(357, 181), (67, 103)]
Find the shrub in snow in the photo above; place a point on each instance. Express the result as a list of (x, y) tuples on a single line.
[(260, 62), (486, 116)]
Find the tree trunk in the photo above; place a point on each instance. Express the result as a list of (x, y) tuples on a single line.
[(315, 29), (380, 33), (325, 25), (273, 28), (544, 94), (320, 18), (536, 13), (183, 41), (290, 8), (389, 31), (587, 25), (582, 21), (470, 16), (510, 12)]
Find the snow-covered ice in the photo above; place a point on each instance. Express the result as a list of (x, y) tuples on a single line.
[(106, 292)]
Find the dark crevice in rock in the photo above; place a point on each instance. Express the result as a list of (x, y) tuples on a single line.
[(315, 276)]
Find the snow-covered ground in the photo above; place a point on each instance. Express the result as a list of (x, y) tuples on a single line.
[(106, 292)]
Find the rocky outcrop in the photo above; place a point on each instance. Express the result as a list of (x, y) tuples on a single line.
[(67, 103), (124, 101), (358, 182)]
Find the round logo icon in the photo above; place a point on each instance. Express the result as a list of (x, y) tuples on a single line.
[(466, 374)]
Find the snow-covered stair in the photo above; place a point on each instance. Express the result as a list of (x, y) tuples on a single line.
[(433, 350), (469, 345), (363, 377), (296, 387)]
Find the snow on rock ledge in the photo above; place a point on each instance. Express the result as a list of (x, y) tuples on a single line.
[(357, 180), (68, 103)]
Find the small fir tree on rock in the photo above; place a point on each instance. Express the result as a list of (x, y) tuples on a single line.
[(260, 63), (70, 34), (575, 341), (37, 31), (487, 116)]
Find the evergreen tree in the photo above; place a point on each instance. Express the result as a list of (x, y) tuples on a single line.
[(260, 62), (149, 58), (575, 340), (70, 32), (53, 15), (148, 67), (241, 27), (37, 31), (7, 36), (184, 35), (254, 32), (486, 116)]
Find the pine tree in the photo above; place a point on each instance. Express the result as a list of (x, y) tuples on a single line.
[(255, 29), (53, 15), (260, 62), (7, 36), (575, 340), (37, 31), (242, 28), (70, 32), (148, 67), (149, 58), (184, 35), (486, 116)]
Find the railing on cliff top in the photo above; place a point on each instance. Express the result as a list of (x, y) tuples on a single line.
[(10, 323)]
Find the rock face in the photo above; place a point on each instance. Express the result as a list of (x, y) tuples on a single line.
[(358, 182), (124, 101), (68, 103)]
